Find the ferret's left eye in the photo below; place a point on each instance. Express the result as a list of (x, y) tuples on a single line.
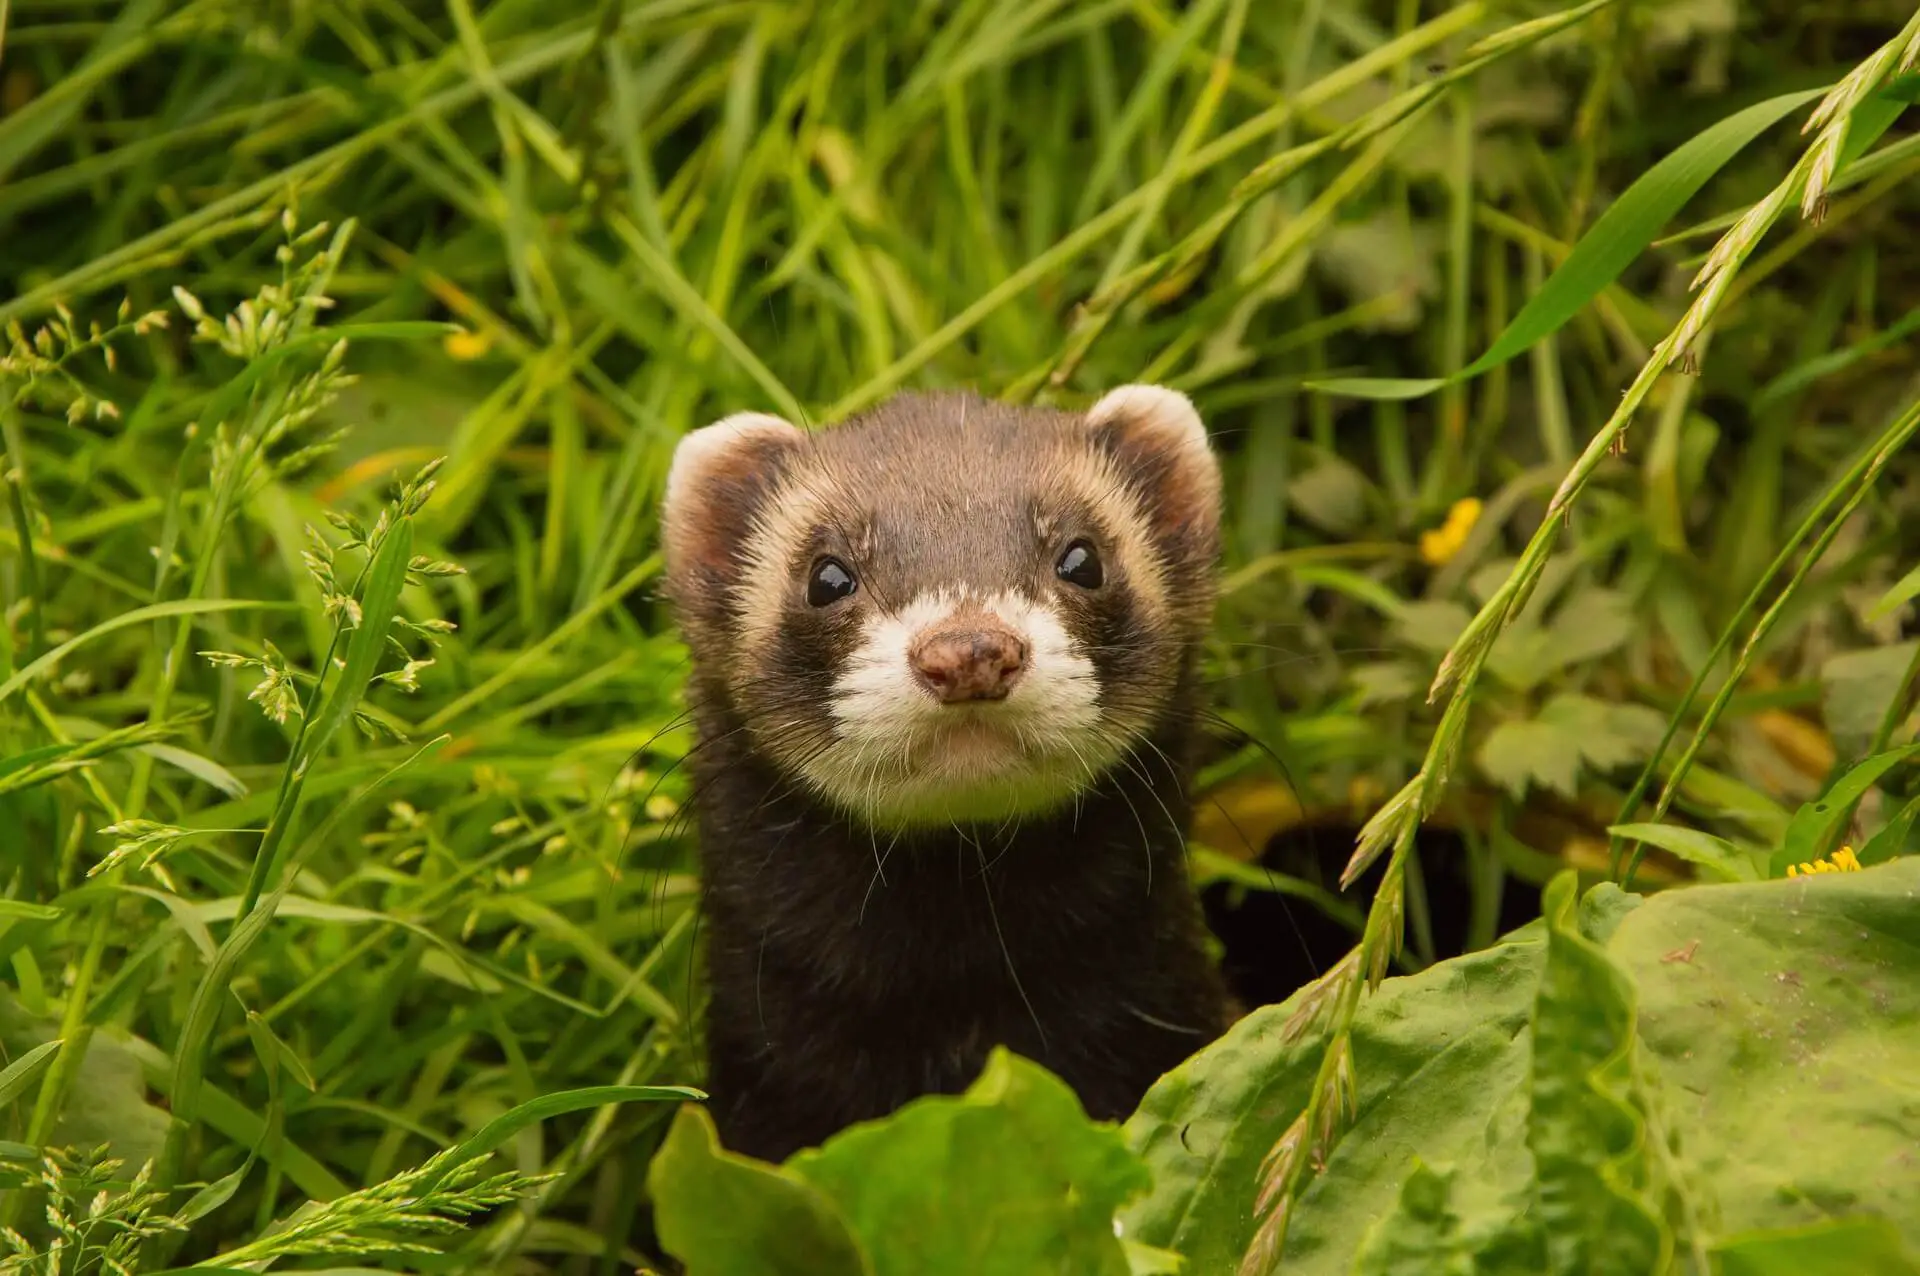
[(1080, 565), (831, 581)]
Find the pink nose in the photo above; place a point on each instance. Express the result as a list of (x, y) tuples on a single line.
[(959, 665)]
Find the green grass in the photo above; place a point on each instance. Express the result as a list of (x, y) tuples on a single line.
[(333, 939)]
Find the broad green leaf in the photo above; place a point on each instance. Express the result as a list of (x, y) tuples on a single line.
[(1813, 823), (1779, 1014), (1767, 1011), (1439, 1077), (1610, 245), (1026, 1185), (1715, 854), (728, 1215), (1584, 1126), (1836, 1247), (1422, 1235)]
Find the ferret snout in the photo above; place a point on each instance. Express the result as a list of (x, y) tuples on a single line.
[(978, 662)]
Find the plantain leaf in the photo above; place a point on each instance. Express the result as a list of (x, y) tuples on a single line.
[(1585, 1127), (1026, 1185), (728, 1215), (1768, 1019), (1836, 1247)]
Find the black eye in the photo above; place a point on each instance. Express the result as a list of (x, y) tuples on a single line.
[(831, 581), (1080, 565)]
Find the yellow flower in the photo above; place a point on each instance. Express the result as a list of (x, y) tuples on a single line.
[(1440, 544), (466, 344), (1841, 861)]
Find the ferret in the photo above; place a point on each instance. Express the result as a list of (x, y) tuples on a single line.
[(944, 690)]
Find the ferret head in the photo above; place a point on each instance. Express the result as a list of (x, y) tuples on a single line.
[(946, 610)]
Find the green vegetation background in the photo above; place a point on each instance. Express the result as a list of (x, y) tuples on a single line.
[(305, 914)]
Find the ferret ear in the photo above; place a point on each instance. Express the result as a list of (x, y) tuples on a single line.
[(1160, 443), (719, 476)]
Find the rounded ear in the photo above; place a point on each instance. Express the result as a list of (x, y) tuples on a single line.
[(719, 476), (1161, 445)]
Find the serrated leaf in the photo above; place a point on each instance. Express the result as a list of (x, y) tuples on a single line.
[(1607, 735), (1432, 626), (1518, 755), (728, 1215), (1332, 496), (1591, 623), (1385, 683)]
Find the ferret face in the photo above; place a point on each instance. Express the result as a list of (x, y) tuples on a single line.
[(946, 610)]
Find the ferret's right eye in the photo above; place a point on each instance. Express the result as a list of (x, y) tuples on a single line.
[(831, 581)]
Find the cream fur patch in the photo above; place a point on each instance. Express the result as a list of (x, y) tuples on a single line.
[(902, 758)]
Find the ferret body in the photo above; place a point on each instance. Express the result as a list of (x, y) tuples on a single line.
[(944, 690)]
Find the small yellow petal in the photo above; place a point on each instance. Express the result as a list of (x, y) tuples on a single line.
[(466, 345), (1438, 545)]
